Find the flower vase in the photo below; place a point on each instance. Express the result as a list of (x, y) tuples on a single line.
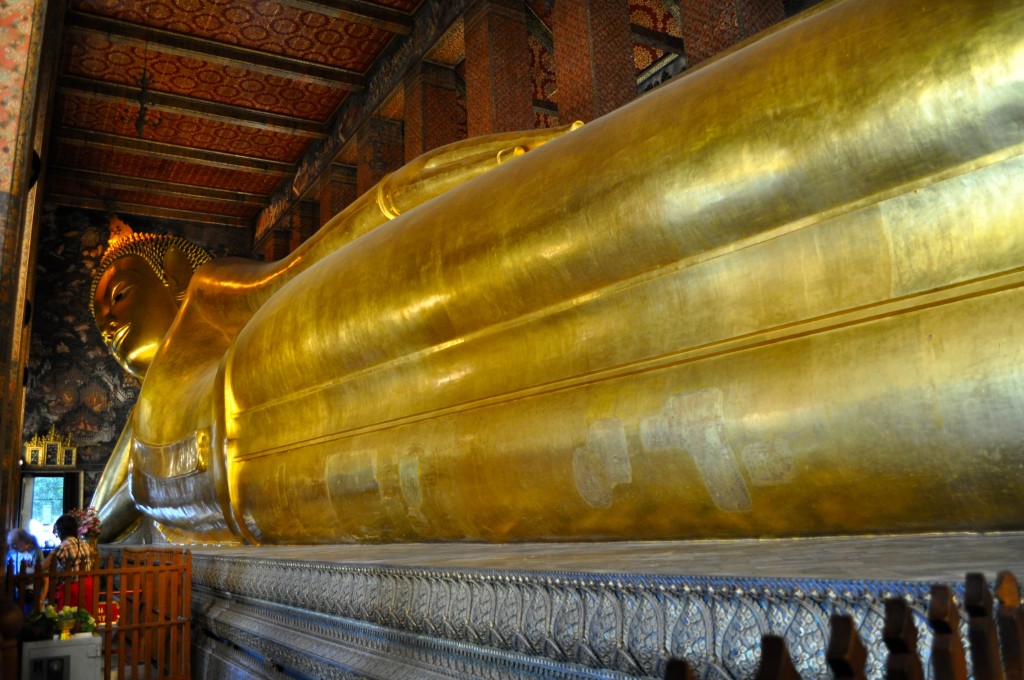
[(65, 628)]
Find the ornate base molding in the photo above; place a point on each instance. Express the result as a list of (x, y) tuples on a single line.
[(274, 641), (336, 620)]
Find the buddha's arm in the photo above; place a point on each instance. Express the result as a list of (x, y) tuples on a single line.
[(116, 471), (227, 292), (118, 515), (114, 505), (421, 179)]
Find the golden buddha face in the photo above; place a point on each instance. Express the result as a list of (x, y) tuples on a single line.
[(134, 310)]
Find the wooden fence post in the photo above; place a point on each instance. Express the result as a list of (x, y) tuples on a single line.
[(776, 664), (900, 636), (981, 629), (846, 654), (948, 659), (678, 669), (1011, 624), (10, 624)]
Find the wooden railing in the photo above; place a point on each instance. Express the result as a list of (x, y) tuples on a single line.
[(995, 635), (141, 600)]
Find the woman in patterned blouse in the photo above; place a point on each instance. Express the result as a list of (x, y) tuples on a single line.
[(72, 555)]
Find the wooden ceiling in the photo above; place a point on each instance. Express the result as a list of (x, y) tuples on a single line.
[(198, 109), (202, 110)]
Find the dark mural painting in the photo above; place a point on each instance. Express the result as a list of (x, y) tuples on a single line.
[(72, 382)]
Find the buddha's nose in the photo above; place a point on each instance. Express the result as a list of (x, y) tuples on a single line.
[(108, 331)]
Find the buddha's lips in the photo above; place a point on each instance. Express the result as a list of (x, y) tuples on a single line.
[(115, 342)]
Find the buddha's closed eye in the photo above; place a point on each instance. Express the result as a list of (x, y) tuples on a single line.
[(120, 292)]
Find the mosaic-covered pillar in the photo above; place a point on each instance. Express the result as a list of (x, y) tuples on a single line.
[(499, 89), (337, 190), (379, 150), (435, 109), (710, 26), (277, 243), (305, 222), (21, 34), (593, 57)]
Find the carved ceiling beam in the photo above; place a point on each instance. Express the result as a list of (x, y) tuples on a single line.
[(212, 51), (192, 107), (217, 159), (157, 187), (657, 39), (384, 18), (148, 211)]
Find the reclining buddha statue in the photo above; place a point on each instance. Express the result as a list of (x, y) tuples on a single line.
[(778, 296)]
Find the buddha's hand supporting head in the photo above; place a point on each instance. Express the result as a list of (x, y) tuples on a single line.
[(137, 290)]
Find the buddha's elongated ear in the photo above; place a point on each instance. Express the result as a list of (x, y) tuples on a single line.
[(177, 271)]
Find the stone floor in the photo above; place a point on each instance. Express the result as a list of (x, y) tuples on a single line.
[(924, 557)]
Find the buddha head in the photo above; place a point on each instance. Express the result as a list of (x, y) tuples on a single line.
[(137, 289)]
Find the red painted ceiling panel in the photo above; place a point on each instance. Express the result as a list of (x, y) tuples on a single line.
[(139, 165), (90, 55), (119, 118), (261, 25), (68, 187), (403, 5)]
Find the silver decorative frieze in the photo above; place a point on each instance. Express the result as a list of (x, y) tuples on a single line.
[(307, 644), (491, 623)]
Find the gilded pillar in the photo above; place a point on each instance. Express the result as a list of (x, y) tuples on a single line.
[(379, 150), (593, 57), (337, 190), (710, 26), (305, 222), (435, 109), (276, 244), (499, 89)]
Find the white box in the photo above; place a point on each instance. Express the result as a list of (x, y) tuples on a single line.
[(79, 658)]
